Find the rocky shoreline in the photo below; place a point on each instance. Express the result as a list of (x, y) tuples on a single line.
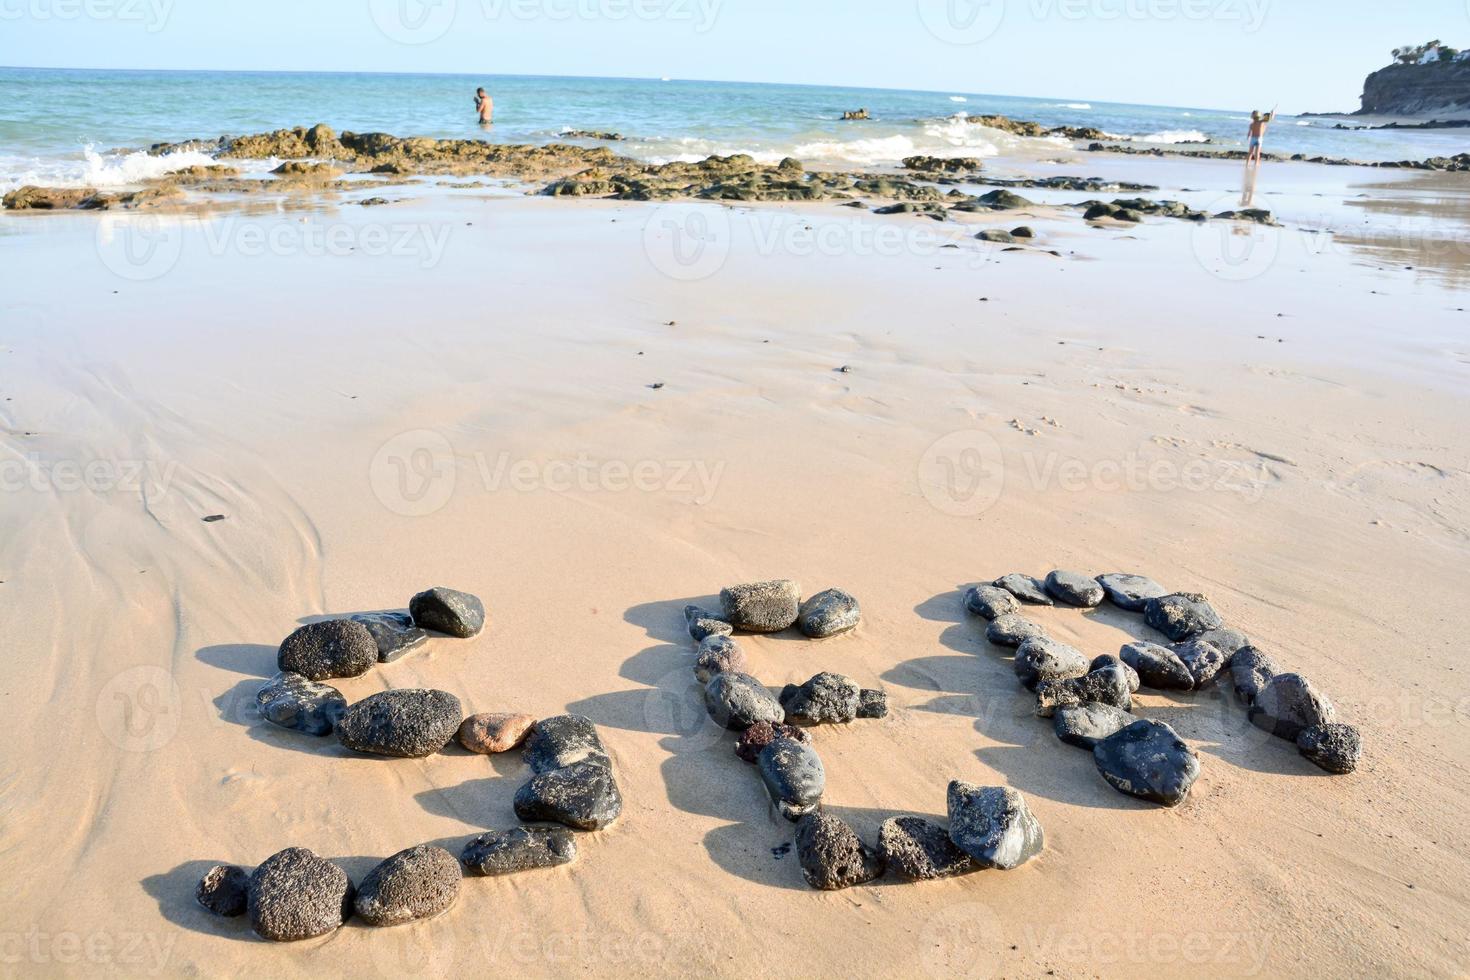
[(1459, 163), (319, 159)]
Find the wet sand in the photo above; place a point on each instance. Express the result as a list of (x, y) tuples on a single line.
[(456, 391)]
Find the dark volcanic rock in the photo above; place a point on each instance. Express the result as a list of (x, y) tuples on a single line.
[(832, 855), (1074, 589), (1130, 592), (406, 724), (519, 849), (224, 890), (1029, 590), (1012, 630), (322, 651), (718, 655), (1107, 659), (296, 895), (1229, 641), (794, 776), (1181, 615), (1288, 705), (1042, 659), (762, 607), (991, 602), (293, 702), (1084, 725), (1202, 659), (996, 236), (872, 704), (827, 697), (738, 701), (447, 611), (703, 624), (927, 209), (1335, 747), (418, 883), (758, 736), (563, 741), (828, 614), (993, 825), (1158, 667), (1149, 761), (920, 850), (943, 165), (394, 633), (995, 201), (1106, 685), (583, 796), (1250, 672)]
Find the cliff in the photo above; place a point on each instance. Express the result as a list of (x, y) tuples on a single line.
[(1416, 90)]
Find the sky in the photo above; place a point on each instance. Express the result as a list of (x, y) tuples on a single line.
[(1307, 55)]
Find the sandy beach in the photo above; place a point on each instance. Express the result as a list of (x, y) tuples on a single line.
[(592, 413)]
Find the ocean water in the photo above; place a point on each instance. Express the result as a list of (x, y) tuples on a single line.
[(74, 127)]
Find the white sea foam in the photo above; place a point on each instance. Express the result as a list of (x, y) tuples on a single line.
[(94, 169), (958, 98), (1174, 136), (947, 137), (1069, 105)]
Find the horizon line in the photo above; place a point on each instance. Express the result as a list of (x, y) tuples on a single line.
[(616, 78)]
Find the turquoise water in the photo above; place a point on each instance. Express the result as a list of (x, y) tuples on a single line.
[(49, 118)]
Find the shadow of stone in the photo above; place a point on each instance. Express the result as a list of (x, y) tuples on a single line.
[(486, 802), (253, 659), (174, 893)]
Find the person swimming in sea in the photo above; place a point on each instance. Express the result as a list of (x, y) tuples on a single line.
[(1258, 135), (485, 106)]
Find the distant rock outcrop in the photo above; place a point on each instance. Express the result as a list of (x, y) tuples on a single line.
[(1416, 90)]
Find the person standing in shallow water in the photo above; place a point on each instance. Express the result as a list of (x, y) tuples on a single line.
[(1258, 135), (485, 106)]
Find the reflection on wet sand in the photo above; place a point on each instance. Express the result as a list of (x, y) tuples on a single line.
[(1423, 223)]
